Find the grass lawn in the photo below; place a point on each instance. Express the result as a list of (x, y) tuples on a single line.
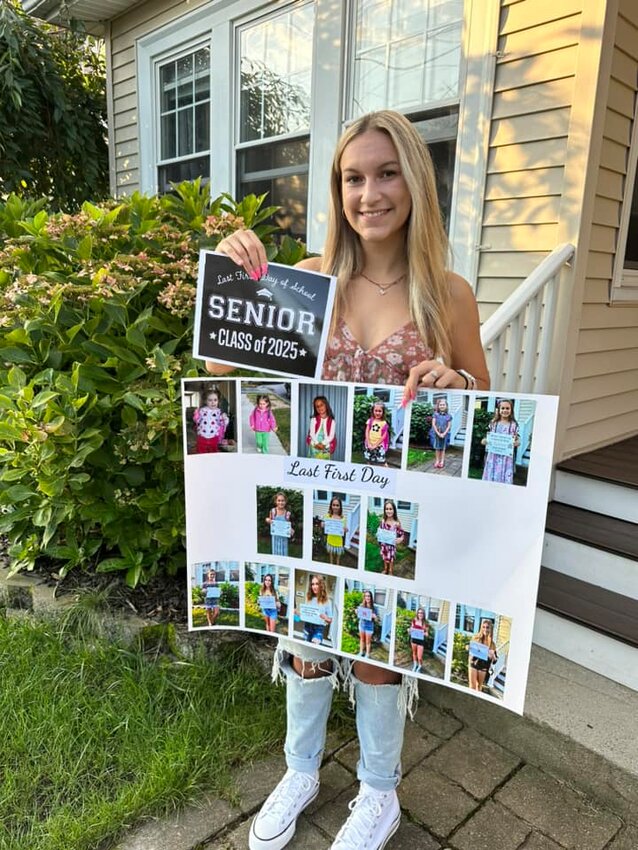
[(95, 735)]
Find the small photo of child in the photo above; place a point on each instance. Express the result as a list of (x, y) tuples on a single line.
[(322, 421), (280, 522), (265, 417), (391, 537), (421, 634), (266, 597), (315, 614), (215, 594), (336, 518), (377, 426), (501, 439), (367, 620), (437, 432), (209, 408), (481, 646)]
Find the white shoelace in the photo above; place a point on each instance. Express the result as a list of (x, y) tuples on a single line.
[(355, 834), (286, 795)]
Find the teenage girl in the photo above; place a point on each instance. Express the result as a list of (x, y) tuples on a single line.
[(262, 421), (210, 424), (499, 467), (322, 432), (390, 522), (377, 435), (440, 432), (269, 602), (366, 624), (478, 668), (317, 597), (385, 241), (418, 632), (334, 542), (279, 542)]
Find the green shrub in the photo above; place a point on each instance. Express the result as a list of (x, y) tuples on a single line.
[(460, 655), (403, 621), (95, 335), (420, 423)]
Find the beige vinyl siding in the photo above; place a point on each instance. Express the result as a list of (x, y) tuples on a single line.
[(604, 402), (125, 30), (533, 91)]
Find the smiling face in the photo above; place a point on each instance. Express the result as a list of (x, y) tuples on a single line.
[(335, 507), (212, 400), (263, 404), (280, 501), (505, 410), (367, 599), (389, 510), (315, 584), (376, 198), (486, 628), (320, 408), (442, 405), (268, 580), (377, 411)]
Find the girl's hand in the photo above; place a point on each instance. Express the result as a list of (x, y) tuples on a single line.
[(431, 374), (218, 368), (246, 249)]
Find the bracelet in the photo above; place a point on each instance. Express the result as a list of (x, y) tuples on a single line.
[(470, 380)]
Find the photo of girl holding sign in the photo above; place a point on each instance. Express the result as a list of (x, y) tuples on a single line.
[(280, 521), (389, 535), (482, 654), (335, 529), (212, 593), (499, 459), (316, 614), (367, 618), (401, 317), (418, 632), (269, 602)]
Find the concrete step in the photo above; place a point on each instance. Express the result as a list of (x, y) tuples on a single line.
[(596, 495)]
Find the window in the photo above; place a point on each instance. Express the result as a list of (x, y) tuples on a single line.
[(380, 597), (625, 280), (226, 92), (407, 56), (273, 145), (184, 118)]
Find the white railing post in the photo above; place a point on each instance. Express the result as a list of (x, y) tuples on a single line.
[(517, 338)]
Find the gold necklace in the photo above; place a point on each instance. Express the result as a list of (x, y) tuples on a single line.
[(383, 287)]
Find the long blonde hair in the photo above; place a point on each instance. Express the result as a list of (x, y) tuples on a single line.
[(426, 240)]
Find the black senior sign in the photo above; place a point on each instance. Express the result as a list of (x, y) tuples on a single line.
[(277, 324)]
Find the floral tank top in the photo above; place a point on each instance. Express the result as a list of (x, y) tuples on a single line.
[(388, 363)]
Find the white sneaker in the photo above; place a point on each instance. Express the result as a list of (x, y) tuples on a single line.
[(275, 824), (375, 817)]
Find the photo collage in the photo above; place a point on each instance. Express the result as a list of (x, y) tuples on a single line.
[(336, 566)]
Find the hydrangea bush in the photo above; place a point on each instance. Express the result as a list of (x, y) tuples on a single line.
[(95, 335)]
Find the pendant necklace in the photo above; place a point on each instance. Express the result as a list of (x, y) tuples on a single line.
[(383, 287)]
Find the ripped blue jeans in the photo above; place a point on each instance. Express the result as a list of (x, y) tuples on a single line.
[(380, 711)]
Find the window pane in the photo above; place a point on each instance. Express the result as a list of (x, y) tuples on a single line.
[(440, 133), (185, 132), (406, 53), (184, 127), (290, 193), (187, 169), (274, 156), (275, 75), (631, 251), (169, 143)]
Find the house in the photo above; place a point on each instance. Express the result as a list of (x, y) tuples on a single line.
[(529, 107)]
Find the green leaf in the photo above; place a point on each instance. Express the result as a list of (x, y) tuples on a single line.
[(15, 355), (133, 575), (10, 432), (19, 493), (111, 565), (51, 487), (43, 398)]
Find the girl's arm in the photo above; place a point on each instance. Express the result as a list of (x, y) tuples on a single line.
[(466, 351), (332, 435), (366, 434), (273, 421), (251, 420), (386, 436)]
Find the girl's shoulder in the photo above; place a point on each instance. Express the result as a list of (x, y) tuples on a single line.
[(310, 264)]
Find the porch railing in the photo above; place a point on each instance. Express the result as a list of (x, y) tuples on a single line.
[(517, 338)]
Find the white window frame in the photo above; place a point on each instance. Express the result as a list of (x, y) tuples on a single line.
[(624, 283), (216, 24)]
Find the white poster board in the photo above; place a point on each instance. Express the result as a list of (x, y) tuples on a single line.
[(469, 556)]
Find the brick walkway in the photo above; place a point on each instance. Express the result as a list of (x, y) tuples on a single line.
[(461, 791)]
